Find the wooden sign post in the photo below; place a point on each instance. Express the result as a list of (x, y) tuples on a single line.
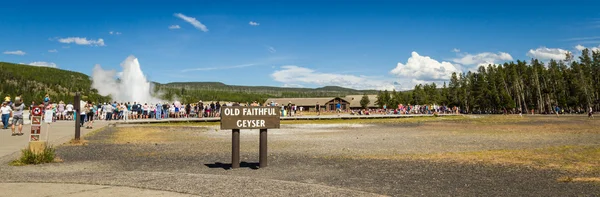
[(76, 101), (35, 145), (238, 117)]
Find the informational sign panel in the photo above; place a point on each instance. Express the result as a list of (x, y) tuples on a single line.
[(36, 111), (36, 126), (244, 117), (36, 120)]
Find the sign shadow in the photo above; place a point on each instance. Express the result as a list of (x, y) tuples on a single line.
[(227, 166)]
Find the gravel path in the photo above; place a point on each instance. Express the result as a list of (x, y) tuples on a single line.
[(312, 160)]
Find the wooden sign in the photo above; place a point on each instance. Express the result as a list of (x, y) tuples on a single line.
[(36, 111), (36, 128), (36, 120), (245, 117)]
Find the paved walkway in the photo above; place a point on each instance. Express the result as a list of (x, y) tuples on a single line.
[(66, 190), (59, 132)]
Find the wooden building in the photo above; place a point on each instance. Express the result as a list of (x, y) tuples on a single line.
[(355, 101), (309, 104)]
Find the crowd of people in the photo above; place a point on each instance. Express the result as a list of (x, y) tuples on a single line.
[(125, 111)]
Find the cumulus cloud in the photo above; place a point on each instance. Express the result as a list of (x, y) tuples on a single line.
[(485, 58), (174, 27), (18, 52), (82, 41), (581, 47), (424, 68), (44, 64), (197, 24), (297, 75), (253, 23), (53, 51), (543, 53)]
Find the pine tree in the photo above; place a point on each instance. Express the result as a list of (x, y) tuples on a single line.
[(364, 102)]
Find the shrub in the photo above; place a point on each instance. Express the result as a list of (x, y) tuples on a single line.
[(29, 157), (435, 114)]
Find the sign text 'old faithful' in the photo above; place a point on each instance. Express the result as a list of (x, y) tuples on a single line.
[(238, 117)]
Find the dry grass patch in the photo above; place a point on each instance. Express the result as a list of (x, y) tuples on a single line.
[(575, 159), (141, 135)]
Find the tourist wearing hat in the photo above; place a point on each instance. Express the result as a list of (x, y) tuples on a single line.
[(6, 111), (17, 108)]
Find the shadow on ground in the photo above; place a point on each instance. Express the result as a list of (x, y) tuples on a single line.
[(227, 166)]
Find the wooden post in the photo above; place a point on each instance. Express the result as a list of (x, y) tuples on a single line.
[(263, 149), (78, 120), (235, 148)]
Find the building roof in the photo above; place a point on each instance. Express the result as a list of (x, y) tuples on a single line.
[(355, 100), (302, 101)]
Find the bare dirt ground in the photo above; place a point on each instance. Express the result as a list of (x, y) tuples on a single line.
[(454, 156)]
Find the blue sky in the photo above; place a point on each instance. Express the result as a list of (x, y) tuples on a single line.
[(356, 44)]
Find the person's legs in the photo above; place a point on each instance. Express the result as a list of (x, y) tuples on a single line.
[(17, 122), (82, 120), (5, 120)]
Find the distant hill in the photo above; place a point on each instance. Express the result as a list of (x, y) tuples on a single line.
[(194, 91), (33, 82)]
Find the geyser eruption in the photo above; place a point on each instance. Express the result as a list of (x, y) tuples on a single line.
[(131, 85)]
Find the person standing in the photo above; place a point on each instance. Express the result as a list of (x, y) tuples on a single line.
[(590, 113), (556, 109), (46, 99), (89, 110), (69, 111), (17, 108), (109, 111), (158, 111), (318, 109), (6, 111), (338, 108)]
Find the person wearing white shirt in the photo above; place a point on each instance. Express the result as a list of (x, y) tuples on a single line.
[(70, 111), (6, 111)]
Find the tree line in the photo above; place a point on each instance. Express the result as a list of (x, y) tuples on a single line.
[(513, 87), (32, 83)]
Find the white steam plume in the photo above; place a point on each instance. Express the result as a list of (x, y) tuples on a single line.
[(132, 85)]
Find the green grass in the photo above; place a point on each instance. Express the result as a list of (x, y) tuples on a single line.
[(29, 157)]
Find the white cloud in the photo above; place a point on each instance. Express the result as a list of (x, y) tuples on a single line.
[(581, 47), (484, 58), (456, 50), (424, 68), (174, 27), (291, 74), (82, 41), (114, 33), (271, 49), (253, 23), (53, 51), (192, 21), (544, 53), (44, 64), (19, 52)]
